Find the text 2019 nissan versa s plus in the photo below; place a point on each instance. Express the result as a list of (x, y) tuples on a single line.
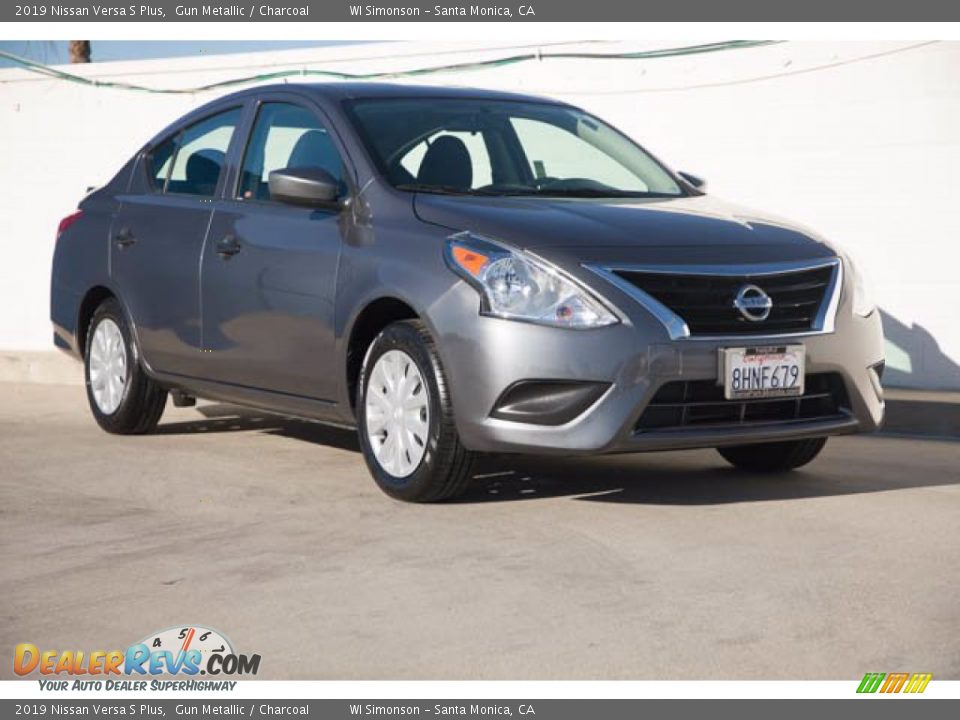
[(457, 272)]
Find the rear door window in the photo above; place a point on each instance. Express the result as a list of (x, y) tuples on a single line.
[(200, 157)]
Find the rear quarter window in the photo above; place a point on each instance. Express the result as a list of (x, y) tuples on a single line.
[(159, 161)]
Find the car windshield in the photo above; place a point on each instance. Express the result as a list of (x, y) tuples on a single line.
[(482, 147)]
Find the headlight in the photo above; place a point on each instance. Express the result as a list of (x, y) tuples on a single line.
[(863, 302), (517, 286)]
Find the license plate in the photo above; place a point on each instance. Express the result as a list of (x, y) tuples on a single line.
[(760, 372)]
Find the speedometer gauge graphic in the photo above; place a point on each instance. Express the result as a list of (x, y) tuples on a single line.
[(184, 638)]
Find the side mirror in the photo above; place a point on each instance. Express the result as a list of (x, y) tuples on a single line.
[(697, 182), (309, 186)]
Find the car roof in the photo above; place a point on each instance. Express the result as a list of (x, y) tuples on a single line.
[(337, 91), (357, 90)]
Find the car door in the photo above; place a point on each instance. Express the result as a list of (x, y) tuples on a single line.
[(158, 236), (269, 269)]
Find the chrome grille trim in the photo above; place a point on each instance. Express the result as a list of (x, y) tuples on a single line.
[(677, 328)]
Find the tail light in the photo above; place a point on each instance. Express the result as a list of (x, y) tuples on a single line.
[(67, 222)]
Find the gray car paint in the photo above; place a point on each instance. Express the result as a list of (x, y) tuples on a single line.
[(273, 329)]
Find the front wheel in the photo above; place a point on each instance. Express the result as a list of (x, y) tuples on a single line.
[(405, 419), (775, 456), (122, 398)]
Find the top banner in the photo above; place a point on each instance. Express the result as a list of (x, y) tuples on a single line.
[(530, 10)]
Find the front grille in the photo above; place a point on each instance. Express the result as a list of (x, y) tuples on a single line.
[(705, 302), (700, 403)]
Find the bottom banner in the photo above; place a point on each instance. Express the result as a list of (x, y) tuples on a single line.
[(532, 709)]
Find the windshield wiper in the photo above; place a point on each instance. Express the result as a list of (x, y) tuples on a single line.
[(529, 191), (590, 193), (439, 189)]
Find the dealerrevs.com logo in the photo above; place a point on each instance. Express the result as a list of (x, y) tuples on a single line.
[(190, 650)]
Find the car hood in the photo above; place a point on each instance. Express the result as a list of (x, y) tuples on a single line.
[(662, 231)]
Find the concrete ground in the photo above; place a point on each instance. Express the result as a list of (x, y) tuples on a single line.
[(658, 566)]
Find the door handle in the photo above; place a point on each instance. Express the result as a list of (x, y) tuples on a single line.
[(228, 246), (124, 238)]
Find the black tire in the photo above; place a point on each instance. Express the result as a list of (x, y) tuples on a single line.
[(773, 457), (446, 468), (142, 400)]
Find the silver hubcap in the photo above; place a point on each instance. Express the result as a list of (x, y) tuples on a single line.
[(397, 413), (108, 366)]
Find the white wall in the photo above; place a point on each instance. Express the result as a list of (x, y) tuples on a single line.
[(860, 141)]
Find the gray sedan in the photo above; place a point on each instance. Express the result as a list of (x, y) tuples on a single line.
[(456, 272)]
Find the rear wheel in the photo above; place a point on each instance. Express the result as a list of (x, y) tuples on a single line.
[(122, 398), (405, 418), (775, 456)]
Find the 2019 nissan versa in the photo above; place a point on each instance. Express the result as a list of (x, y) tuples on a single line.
[(456, 272)]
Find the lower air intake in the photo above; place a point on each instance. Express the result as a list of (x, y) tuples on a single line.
[(700, 403)]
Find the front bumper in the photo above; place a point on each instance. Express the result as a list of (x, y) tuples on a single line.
[(484, 356)]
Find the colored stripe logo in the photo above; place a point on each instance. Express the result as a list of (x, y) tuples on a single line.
[(894, 682)]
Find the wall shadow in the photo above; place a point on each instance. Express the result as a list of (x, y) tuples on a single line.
[(929, 367)]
